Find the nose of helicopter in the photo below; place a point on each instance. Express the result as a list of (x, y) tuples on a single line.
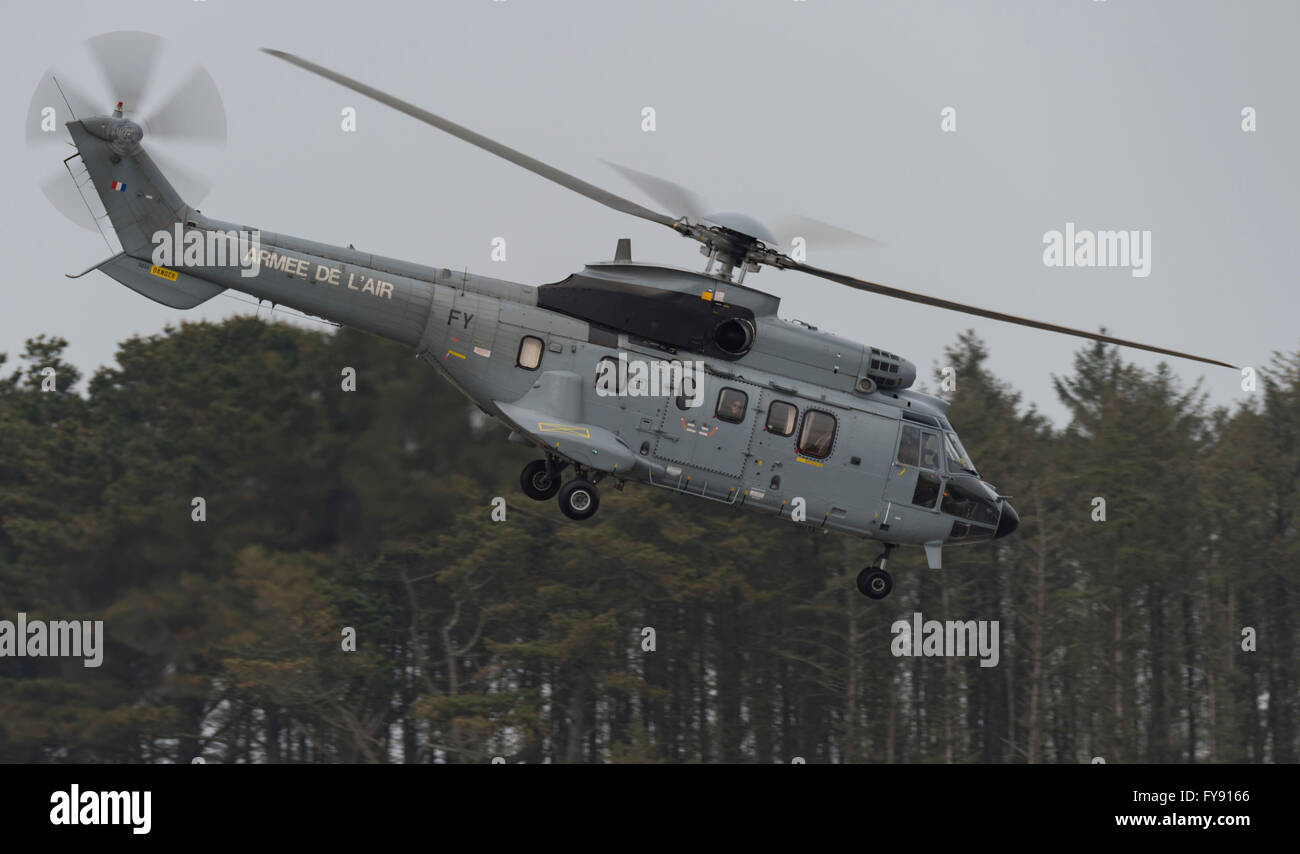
[(1008, 522)]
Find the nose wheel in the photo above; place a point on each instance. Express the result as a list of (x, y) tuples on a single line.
[(874, 582)]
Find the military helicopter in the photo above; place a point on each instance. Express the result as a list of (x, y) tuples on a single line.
[(687, 381)]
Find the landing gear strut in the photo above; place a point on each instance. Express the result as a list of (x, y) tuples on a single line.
[(579, 499), (874, 582)]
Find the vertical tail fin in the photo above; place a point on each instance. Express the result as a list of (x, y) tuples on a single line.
[(138, 198)]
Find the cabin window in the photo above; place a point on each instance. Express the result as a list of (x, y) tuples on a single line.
[(781, 418), (927, 489), (817, 435), (909, 446), (530, 353), (607, 381), (731, 405)]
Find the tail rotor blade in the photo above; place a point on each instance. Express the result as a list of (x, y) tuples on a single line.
[(127, 59), (189, 185), (194, 112), (61, 189), (48, 97)]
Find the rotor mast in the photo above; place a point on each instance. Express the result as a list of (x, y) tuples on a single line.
[(730, 250)]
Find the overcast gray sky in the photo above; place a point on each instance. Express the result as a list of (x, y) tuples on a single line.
[(1111, 115)]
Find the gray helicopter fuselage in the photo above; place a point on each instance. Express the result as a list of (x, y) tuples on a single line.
[(471, 328)]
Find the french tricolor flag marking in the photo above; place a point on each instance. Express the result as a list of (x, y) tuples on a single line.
[(119, 186)]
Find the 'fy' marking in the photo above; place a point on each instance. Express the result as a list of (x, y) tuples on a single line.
[(464, 318)]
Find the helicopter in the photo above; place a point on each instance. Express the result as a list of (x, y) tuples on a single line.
[(683, 380)]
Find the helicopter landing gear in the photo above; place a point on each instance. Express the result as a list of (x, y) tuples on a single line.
[(540, 480), (579, 499), (874, 582)]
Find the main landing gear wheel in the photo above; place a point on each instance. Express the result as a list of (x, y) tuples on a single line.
[(538, 482), (579, 499), (874, 583)]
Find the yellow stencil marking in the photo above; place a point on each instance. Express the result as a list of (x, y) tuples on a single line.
[(163, 272), (549, 427), (453, 353), (809, 462)]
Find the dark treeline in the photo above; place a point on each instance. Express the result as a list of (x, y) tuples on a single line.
[(523, 639)]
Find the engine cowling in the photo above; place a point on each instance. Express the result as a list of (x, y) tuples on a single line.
[(889, 370)]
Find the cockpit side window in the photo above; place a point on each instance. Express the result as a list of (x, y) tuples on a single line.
[(958, 459), (909, 445), (930, 458), (927, 489)]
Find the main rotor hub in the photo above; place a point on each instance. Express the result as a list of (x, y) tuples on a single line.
[(728, 248)]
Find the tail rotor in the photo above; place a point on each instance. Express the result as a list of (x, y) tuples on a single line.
[(124, 71)]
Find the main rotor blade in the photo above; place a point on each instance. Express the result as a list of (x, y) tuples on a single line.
[(820, 235), (898, 293), (675, 197), (782, 230), (537, 167)]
